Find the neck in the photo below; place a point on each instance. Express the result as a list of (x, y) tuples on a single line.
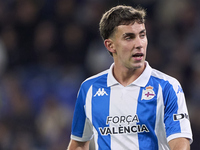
[(126, 76)]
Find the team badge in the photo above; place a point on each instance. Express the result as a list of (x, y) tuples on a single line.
[(148, 93)]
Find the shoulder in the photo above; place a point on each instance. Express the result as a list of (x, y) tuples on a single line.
[(91, 80), (166, 81), (164, 77)]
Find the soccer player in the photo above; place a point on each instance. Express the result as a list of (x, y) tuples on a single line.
[(130, 106)]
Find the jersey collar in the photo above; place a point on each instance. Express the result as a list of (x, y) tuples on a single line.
[(141, 81)]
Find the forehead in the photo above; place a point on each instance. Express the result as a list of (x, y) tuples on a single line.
[(135, 28)]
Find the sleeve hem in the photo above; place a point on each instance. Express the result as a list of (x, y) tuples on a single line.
[(178, 135), (81, 139)]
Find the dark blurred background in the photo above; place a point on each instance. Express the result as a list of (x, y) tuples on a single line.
[(48, 47)]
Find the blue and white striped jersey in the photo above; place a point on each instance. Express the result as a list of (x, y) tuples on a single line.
[(147, 114)]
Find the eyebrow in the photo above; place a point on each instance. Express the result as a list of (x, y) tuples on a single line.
[(143, 31), (133, 34)]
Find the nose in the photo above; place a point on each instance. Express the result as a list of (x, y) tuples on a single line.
[(138, 43)]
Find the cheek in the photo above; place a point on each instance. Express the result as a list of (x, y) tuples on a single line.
[(127, 46), (126, 49), (122, 47), (145, 42)]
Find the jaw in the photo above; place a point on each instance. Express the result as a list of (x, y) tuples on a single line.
[(132, 63), (138, 61), (137, 65), (130, 66)]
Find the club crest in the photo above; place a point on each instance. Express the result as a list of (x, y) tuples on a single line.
[(148, 93)]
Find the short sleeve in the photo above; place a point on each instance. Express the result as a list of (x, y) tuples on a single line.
[(176, 117), (81, 126)]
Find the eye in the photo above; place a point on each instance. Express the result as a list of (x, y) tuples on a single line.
[(142, 35), (127, 38)]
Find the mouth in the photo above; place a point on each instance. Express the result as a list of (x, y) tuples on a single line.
[(138, 55)]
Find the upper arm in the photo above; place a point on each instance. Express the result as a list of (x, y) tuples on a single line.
[(179, 144), (76, 145)]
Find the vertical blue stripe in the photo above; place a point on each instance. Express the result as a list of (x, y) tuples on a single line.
[(79, 114), (100, 111), (146, 111), (79, 118), (171, 108)]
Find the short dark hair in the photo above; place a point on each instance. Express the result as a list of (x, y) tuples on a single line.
[(120, 15)]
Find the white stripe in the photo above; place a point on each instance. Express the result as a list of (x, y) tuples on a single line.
[(88, 111), (159, 126), (123, 103), (96, 139), (88, 104)]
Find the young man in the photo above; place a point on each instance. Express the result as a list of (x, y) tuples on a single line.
[(130, 106)]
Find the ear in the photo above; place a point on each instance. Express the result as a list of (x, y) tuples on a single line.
[(109, 45)]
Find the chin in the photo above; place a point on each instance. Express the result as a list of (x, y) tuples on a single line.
[(139, 65)]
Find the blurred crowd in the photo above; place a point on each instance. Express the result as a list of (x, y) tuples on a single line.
[(48, 47)]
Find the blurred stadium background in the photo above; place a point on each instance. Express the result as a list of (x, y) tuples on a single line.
[(48, 47)]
